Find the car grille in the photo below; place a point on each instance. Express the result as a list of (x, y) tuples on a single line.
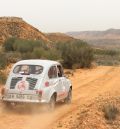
[(32, 82), (14, 81)]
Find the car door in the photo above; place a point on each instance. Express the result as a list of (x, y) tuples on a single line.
[(52, 74), (62, 83), (55, 81)]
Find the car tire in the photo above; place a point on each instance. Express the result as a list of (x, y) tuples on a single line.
[(52, 103), (68, 99)]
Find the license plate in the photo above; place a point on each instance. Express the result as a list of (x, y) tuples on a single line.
[(20, 96), (10, 96)]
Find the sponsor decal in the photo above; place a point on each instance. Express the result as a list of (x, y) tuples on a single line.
[(22, 85)]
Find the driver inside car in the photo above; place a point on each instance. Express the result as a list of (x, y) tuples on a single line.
[(25, 69)]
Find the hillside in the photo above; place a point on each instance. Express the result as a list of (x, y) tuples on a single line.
[(17, 27), (108, 38), (59, 37), (87, 35)]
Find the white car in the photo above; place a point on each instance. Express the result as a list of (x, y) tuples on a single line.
[(37, 81)]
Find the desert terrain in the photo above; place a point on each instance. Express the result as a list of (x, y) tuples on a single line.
[(92, 89), (109, 39)]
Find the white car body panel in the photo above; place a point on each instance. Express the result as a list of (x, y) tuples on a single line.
[(59, 85)]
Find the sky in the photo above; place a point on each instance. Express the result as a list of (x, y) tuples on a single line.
[(65, 15)]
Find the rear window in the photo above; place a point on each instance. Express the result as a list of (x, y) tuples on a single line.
[(28, 69)]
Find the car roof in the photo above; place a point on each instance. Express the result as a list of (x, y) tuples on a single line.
[(45, 63)]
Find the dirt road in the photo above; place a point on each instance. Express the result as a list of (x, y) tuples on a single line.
[(87, 84)]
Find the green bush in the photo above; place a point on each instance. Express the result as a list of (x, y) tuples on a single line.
[(30, 49), (38, 53), (107, 57), (76, 52), (22, 45), (9, 44), (72, 53), (106, 52), (52, 54)]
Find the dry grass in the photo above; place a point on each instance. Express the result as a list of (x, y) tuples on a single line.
[(110, 111)]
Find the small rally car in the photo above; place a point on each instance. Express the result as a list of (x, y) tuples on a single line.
[(37, 81)]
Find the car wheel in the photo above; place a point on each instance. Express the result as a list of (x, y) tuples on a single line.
[(52, 103), (68, 99)]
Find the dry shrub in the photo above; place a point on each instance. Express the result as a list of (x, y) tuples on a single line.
[(2, 78), (110, 111)]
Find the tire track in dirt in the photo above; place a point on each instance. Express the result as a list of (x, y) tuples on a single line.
[(95, 87), (98, 77)]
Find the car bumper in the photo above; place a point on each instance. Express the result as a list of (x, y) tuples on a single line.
[(4, 99)]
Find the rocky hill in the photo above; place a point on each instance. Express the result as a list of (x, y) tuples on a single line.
[(17, 27), (59, 37), (105, 39), (107, 34)]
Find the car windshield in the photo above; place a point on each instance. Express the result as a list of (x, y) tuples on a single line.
[(28, 69)]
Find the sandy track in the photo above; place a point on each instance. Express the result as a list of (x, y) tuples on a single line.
[(87, 84)]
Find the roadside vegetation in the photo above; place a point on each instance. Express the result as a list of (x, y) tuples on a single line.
[(111, 111), (72, 53), (2, 78), (107, 57), (75, 54)]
